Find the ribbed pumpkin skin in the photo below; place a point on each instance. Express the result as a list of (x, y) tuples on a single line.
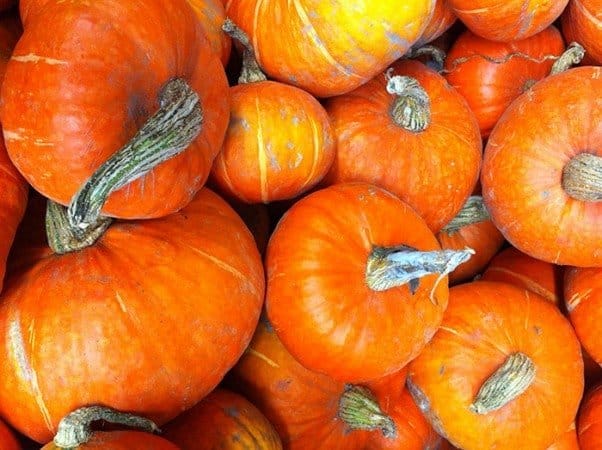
[(490, 87), (484, 323), (151, 297), (441, 20), (223, 420), (321, 46), (434, 171), (507, 20), (279, 143), (212, 14), (122, 440), (523, 164), (582, 22), (589, 423), (69, 103)]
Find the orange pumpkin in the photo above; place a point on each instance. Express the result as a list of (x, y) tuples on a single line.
[(328, 414), (504, 370), (223, 420), (471, 228), (542, 167), (321, 46), (490, 75), (349, 268), (507, 20), (582, 22), (422, 142), (589, 423)]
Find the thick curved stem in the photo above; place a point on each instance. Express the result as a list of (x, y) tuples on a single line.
[(166, 133), (250, 71), (473, 211), (75, 429), (435, 53), (390, 267), (360, 410), (582, 177), (411, 109), (509, 381), (571, 57)]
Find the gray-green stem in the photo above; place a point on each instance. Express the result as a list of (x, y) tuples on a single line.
[(390, 267), (571, 57), (473, 211), (250, 71), (582, 177), (411, 109), (166, 133), (75, 429), (360, 410)]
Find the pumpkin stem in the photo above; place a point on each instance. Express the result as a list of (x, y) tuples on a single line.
[(390, 267), (509, 381), (250, 71), (436, 55), (572, 56), (582, 177), (411, 110), (360, 410), (166, 133), (473, 211), (75, 428)]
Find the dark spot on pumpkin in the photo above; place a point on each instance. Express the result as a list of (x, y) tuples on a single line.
[(137, 109), (232, 411), (537, 330), (235, 437), (283, 385), (442, 369)]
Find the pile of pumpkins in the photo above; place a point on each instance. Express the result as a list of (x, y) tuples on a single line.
[(270, 224)]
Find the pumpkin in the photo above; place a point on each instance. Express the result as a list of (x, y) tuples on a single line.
[(222, 420), (582, 22), (327, 413), (589, 424), (349, 269), (7, 438), (471, 228), (321, 46), (75, 432), (84, 79), (411, 134), (490, 74), (508, 20), (211, 14), (514, 267), (126, 308), (504, 370), (441, 21), (279, 142), (541, 171)]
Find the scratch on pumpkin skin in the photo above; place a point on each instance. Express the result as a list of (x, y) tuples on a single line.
[(533, 287), (33, 58), (316, 153), (16, 344), (121, 302), (14, 135), (261, 156), (264, 358), (576, 299)]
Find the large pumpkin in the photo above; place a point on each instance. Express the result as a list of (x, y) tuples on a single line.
[(328, 414), (421, 142), (490, 75), (507, 20), (84, 78), (350, 268), (582, 22), (542, 169), (504, 370), (321, 46), (127, 321), (223, 420)]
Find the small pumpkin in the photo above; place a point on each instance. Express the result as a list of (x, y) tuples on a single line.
[(349, 268), (589, 422), (321, 46), (504, 370), (471, 228), (582, 22), (507, 20), (84, 79), (279, 142), (490, 74), (412, 134), (329, 414), (542, 170)]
